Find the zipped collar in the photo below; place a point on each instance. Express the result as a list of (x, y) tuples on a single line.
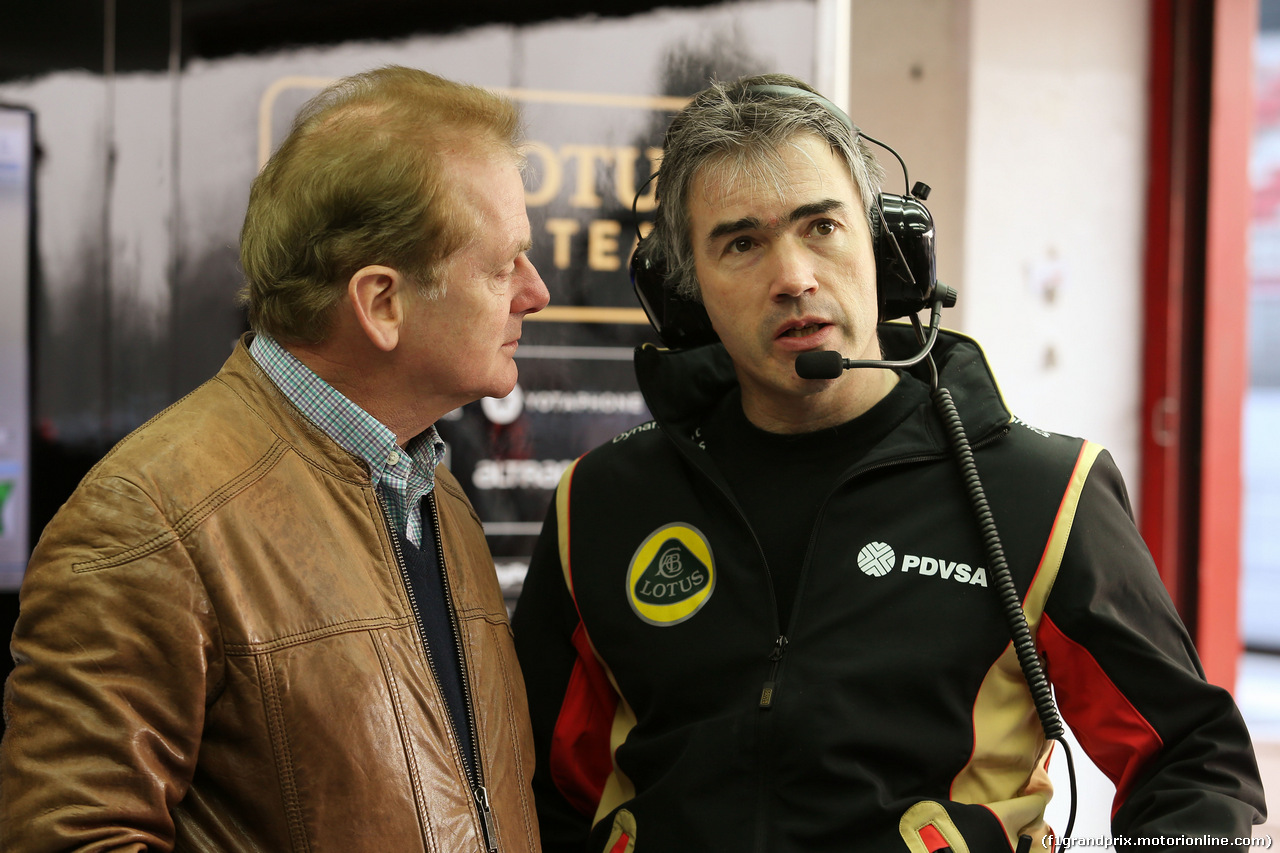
[(682, 387)]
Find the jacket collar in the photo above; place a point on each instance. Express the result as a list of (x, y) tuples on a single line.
[(681, 387), (242, 374)]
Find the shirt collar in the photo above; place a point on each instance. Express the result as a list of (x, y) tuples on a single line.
[(351, 427)]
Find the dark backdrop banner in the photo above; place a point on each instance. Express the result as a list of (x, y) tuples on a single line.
[(144, 177)]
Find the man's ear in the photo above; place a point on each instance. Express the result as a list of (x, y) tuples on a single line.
[(378, 296)]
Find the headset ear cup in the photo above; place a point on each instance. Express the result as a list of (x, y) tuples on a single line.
[(681, 323), (906, 259)]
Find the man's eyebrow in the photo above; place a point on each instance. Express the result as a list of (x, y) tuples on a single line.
[(747, 223), (817, 208), (724, 229), (519, 246)]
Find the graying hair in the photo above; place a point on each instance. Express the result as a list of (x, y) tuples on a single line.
[(728, 127)]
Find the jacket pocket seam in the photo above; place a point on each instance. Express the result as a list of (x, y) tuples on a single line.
[(283, 755), (301, 638), (415, 772)]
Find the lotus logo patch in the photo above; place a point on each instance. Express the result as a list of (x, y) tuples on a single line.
[(671, 575)]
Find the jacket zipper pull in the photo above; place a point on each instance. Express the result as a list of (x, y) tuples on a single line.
[(775, 657), (486, 817)]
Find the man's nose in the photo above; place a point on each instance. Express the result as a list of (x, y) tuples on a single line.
[(793, 270), (533, 296)]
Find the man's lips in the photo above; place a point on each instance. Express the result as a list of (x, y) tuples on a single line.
[(804, 334), (801, 328), (514, 340), (801, 331)]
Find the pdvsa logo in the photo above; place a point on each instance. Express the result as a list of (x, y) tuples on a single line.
[(671, 576), (878, 559)]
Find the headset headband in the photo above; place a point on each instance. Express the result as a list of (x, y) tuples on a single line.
[(791, 91)]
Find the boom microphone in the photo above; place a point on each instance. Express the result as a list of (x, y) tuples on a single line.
[(829, 364), (820, 364)]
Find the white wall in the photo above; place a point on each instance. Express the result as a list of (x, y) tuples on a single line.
[(1054, 213)]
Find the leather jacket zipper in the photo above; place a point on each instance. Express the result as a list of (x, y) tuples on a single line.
[(475, 775), (474, 778), (490, 831)]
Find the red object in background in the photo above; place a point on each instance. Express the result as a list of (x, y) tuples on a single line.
[(1195, 362)]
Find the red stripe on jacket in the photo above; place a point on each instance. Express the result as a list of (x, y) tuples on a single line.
[(581, 760), (1113, 732)]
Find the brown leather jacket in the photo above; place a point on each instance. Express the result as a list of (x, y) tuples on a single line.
[(216, 652)]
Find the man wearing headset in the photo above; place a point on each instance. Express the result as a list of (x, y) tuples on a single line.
[(268, 620), (768, 621)]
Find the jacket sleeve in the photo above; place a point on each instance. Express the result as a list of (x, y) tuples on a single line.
[(557, 667), (1130, 685), (105, 706)]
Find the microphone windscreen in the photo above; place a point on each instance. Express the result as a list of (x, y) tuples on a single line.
[(822, 364)]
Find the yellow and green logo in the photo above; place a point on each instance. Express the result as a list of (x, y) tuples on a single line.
[(671, 576)]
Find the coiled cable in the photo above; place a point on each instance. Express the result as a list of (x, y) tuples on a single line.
[(1010, 604)]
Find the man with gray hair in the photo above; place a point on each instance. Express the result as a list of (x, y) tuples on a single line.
[(268, 620), (781, 617)]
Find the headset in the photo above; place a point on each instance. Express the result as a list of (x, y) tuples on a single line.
[(903, 242), (906, 284)]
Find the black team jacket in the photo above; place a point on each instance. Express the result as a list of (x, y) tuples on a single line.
[(671, 713)]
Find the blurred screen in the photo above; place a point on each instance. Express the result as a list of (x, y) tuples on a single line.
[(15, 245)]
